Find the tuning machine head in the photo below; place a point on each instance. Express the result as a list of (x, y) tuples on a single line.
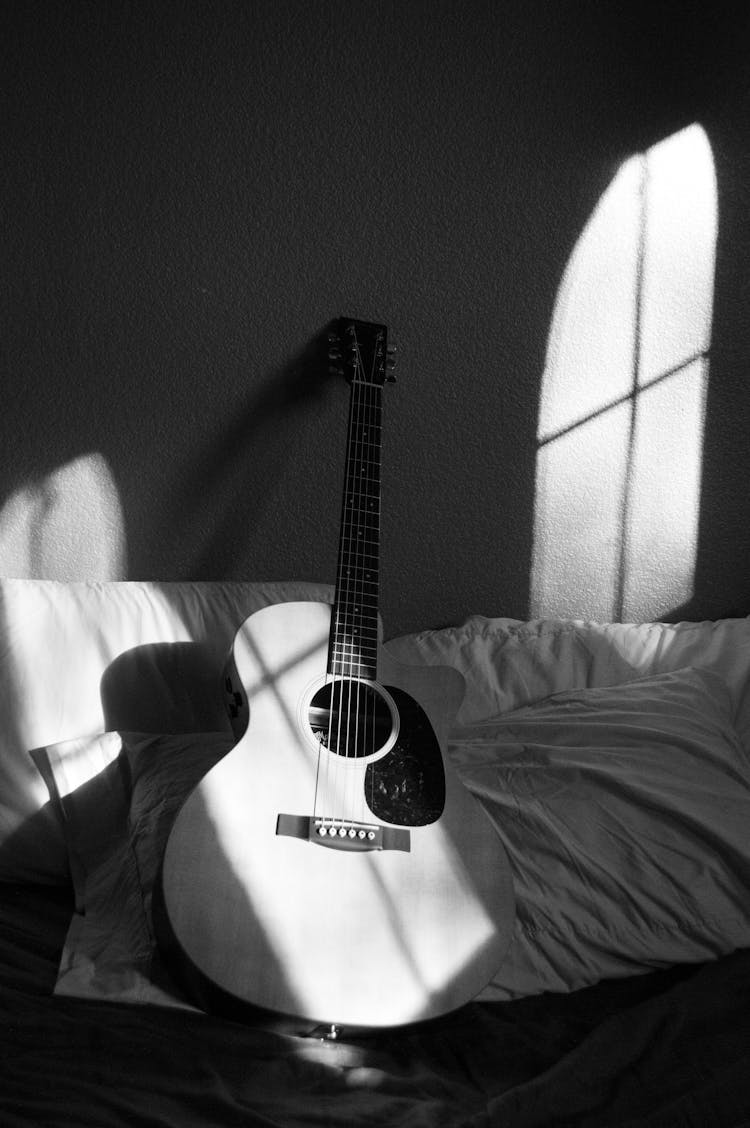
[(359, 351), (390, 363), (335, 355)]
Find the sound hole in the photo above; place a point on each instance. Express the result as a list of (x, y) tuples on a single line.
[(350, 717)]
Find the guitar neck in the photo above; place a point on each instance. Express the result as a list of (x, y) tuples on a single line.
[(354, 630)]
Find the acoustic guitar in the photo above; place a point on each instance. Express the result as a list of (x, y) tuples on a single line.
[(331, 866)]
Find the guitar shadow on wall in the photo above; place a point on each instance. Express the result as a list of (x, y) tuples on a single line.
[(249, 454)]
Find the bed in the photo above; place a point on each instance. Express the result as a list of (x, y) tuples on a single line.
[(613, 760)]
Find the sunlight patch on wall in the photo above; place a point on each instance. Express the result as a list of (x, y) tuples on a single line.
[(622, 409), (67, 526)]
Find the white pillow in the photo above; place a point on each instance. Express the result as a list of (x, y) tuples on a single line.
[(624, 812), (80, 658), (508, 664)]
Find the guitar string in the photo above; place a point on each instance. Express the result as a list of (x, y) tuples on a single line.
[(365, 538), (353, 807), (363, 696), (348, 667), (373, 509), (344, 601), (343, 662), (372, 525), (353, 683), (348, 639), (357, 689), (334, 672)]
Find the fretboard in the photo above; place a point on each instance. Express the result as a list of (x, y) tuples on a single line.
[(354, 630)]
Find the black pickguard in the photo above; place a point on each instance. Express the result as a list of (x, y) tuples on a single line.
[(407, 785)]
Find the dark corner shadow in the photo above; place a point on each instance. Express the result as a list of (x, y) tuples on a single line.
[(164, 687), (696, 610), (228, 483)]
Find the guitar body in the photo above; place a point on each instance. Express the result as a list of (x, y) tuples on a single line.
[(401, 909)]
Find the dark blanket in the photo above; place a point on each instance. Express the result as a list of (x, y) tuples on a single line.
[(670, 1048)]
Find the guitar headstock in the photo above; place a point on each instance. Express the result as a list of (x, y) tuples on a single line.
[(359, 350)]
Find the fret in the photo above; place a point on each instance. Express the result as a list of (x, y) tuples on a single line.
[(368, 437), (361, 486), (346, 638), (361, 459), (360, 541), (354, 557), (357, 553), (363, 477), (364, 563), (364, 500), (356, 612), (354, 549), (355, 531), (368, 670), (351, 494), (355, 519), (367, 450), (362, 595), (368, 654), (355, 624)]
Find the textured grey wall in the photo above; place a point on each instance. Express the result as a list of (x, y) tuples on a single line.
[(192, 191)]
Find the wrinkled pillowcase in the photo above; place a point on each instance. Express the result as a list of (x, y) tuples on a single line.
[(623, 810), (116, 824), (624, 813)]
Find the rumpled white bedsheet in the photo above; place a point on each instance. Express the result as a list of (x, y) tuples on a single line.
[(58, 641), (509, 663)]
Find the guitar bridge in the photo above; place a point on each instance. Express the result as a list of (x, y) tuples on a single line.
[(343, 834)]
